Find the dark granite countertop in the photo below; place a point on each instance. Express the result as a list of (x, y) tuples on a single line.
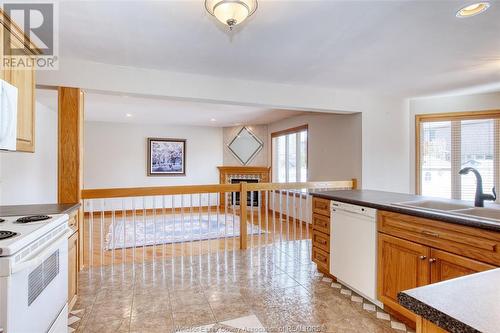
[(48, 209), (387, 200), (467, 304)]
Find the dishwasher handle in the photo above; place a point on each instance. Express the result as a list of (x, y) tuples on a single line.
[(337, 206)]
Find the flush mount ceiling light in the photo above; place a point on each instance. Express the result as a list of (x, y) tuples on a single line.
[(473, 9), (231, 12)]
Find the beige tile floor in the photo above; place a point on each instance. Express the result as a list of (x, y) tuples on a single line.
[(268, 289)]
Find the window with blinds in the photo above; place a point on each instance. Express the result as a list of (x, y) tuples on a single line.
[(289, 155), (449, 143)]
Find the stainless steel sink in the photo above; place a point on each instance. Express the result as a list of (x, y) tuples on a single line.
[(434, 205), (454, 208), (488, 213)]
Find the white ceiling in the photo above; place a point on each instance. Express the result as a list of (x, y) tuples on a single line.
[(407, 48), (144, 110)]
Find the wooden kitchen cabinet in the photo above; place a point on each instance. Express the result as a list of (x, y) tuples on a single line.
[(414, 251), (321, 206), (73, 257), (24, 79), (402, 265), (445, 266), (321, 234), (72, 269)]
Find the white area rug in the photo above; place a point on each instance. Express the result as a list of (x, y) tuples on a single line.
[(170, 229)]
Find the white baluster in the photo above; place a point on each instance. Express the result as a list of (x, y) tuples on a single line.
[(191, 235), (113, 236), (154, 229), (144, 229), (251, 217), (294, 207), (200, 216), (102, 233), (267, 216), (124, 221), (134, 216), (163, 230), (91, 233)]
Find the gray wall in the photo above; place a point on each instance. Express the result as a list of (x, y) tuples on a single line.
[(334, 145)]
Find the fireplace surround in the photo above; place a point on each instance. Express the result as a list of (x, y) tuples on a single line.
[(238, 174)]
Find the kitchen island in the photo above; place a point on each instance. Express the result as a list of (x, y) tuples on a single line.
[(467, 304)]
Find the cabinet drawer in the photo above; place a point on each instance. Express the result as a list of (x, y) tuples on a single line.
[(321, 258), (321, 240), (321, 206), (321, 223), (479, 244)]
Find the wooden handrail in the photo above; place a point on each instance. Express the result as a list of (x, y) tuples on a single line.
[(157, 190), (215, 188), (298, 186)]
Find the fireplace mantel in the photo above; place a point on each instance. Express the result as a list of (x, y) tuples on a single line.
[(227, 172)]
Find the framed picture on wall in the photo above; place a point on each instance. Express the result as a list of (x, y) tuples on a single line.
[(166, 157)]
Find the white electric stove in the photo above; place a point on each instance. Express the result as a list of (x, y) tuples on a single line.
[(34, 274)]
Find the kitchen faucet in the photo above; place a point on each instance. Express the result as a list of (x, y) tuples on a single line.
[(480, 196)]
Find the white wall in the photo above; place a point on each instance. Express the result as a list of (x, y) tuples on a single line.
[(386, 150), (115, 154), (31, 178), (334, 144), (476, 102), (260, 131), (385, 147)]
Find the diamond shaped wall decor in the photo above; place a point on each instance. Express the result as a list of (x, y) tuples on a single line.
[(245, 146)]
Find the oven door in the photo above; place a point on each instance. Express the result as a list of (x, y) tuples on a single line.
[(36, 291)]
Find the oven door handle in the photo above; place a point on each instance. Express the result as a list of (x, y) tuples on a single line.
[(36, 257)]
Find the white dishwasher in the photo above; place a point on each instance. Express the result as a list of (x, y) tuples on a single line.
[(353, 248)]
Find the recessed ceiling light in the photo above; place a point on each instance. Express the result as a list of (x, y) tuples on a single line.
[(128, 115), (213, 119), (473, 9)]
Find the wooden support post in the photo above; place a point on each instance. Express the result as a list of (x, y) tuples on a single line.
[(243, 215), (70, 168), (70, 154)]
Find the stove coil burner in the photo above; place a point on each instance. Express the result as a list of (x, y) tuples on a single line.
[(33, 218), (7, 234)]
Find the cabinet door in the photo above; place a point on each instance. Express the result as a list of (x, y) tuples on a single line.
[(445, 266), (72, 269), (402, 265), (24, 80), (4, 71)]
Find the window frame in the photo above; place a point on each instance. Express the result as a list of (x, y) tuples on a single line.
[(288, 131), (454, 116)]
